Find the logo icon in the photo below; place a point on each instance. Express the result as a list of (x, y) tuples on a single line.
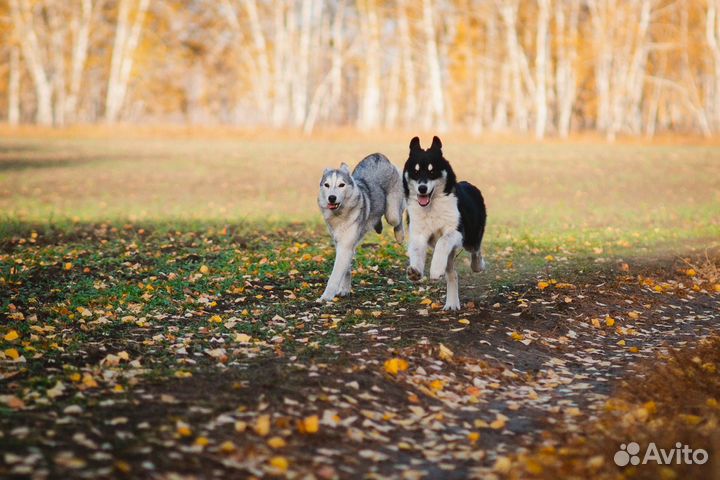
[(627, 454)]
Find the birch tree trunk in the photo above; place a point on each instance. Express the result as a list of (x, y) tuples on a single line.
[(435, 117), (57, 34), (541, 61), (603, 62), (337, 62), (281, 74), (13, 117), (408, 67), (515, 58), (80, 26), (565, 76), (126, 41), (302, 66), (22, 18), (712, 34), (369, 108), (262, 94)]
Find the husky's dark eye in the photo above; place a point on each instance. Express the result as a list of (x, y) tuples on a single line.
[(341, 185), (327, 185)]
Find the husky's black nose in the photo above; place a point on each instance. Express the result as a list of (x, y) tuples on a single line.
[(332, 198), (422, 189)]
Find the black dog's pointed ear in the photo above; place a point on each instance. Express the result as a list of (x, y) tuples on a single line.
[(437, 144), (415, 144)]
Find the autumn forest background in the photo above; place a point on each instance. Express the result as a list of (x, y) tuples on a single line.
[(636, 67)]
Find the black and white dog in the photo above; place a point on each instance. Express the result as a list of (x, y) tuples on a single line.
[(443, 213)]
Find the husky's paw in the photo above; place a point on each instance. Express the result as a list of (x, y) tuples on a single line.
[(344, 292), (325, 298), (399, 234), (436, 273), (452, 305), (413, 274)]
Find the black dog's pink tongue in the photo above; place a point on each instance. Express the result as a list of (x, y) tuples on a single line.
[(423, 200)]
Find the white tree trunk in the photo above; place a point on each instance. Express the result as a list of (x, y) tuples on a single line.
[(126, 41), (435, 117), (408, 67), (565, 76), (262, 93), (712, 34), (281, 74), (80, 27), (337, 62), (13, 117), (302, 66), (22, 18), (541, 62), (369, 109), (516, 59)]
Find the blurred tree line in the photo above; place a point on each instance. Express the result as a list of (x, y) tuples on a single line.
[(546, 67)]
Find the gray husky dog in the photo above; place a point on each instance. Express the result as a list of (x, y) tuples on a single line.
[(352, 204)]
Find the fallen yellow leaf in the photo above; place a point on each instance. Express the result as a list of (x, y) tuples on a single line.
[(502, 465), (12, 353), (395, 365), (542, 285), (445, 353), (437, 385), (204, 269), (11, 335), (89, 381), (276, 442), (201, 441), (280, 463), (262, 425), (309, 425), (227, 447), (609, 321), (183, 429)]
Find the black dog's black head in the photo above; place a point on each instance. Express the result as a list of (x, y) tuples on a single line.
[(427, 173)]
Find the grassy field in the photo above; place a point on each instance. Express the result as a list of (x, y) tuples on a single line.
[(157, 315)]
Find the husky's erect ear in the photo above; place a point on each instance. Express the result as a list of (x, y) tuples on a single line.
[(437, 144), (345, 168), (415, 144)]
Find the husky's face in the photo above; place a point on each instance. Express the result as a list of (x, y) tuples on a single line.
[(427, 173), (335, 186)]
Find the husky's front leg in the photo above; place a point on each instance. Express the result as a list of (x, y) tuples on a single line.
[(346, 283), (443, 254), (417, 249), (341, 268)]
